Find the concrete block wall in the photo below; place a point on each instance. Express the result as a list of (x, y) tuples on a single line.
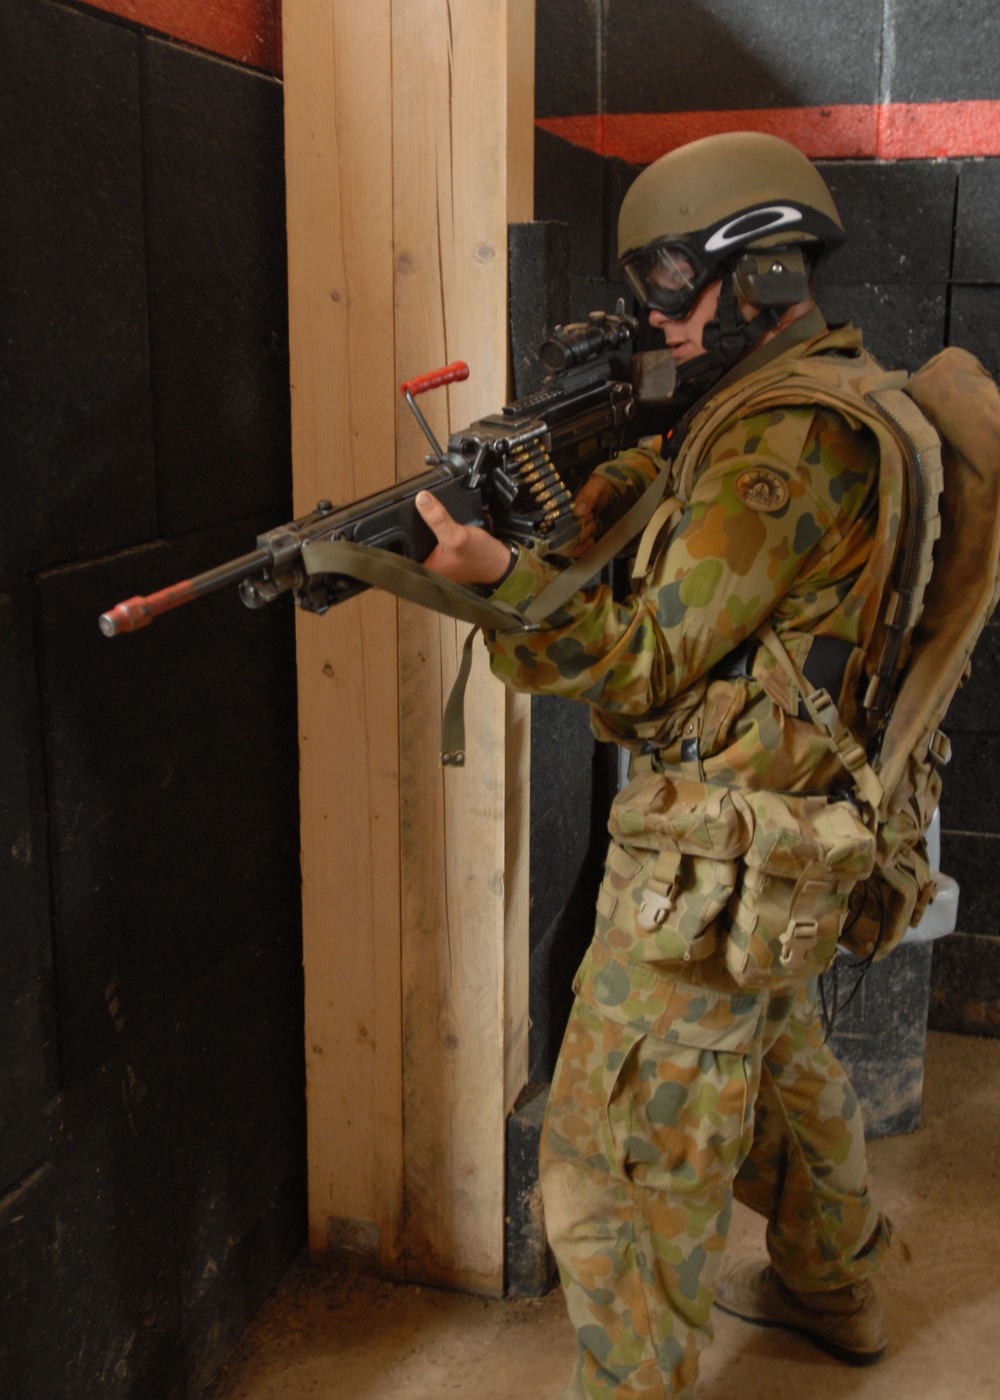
[(151, 1085), (899, 104)]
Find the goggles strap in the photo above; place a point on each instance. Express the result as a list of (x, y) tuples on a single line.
[(726, 339), (730, 334)]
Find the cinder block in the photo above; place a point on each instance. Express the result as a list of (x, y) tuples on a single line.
[(899, 220), (76, 432), (965, 985), (217, 287), (973, 860), (568, 799), (571, 187), (942, 57), (975, 323), (172, 785), (620, 175), (588, 294), (903, 324), (567, 57), (698, 55), (530, 1266), (538, 256), (880, 1035), (977, 222), (559, 945), (554, 961), (562, 748), (970, 801)]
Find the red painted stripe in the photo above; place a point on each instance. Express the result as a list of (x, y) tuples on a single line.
[(248, 31), (893, 131)]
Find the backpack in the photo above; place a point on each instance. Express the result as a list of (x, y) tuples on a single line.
[(936, 559), (928, 588), (961, 402)]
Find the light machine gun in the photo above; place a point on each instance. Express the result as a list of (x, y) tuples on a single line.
[(515, 472)]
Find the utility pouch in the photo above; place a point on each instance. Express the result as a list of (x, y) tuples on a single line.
[(804, 857), (671, 869), (899, 889)]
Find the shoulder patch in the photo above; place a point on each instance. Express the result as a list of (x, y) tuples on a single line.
[(761, 489)]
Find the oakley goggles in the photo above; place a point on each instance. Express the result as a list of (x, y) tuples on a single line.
[(667, 277)]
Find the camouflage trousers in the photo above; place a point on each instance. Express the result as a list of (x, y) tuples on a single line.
[(646, 1140)]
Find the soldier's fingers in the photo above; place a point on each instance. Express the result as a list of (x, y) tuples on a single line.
[(464, 553), (587, 532), (591, 496), (446, 528)]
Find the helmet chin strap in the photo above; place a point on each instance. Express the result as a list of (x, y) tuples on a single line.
[(725, 339)]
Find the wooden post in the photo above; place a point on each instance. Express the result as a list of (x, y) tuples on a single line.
[(408, 150)]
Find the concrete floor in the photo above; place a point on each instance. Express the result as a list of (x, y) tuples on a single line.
[(325, 1336)]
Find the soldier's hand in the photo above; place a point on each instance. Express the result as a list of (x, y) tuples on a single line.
[(464, 553), (588, 503)]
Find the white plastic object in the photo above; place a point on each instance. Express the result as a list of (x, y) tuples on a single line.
[(941, 915)]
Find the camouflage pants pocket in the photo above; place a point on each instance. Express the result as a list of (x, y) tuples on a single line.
[(671, 868), (804, 858), (642, 1139)]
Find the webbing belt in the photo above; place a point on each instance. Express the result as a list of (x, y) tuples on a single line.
[(825, 666)]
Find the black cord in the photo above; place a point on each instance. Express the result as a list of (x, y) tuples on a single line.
[(829, 1014)]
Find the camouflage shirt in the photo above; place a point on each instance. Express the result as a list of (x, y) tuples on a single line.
[(777, 525)]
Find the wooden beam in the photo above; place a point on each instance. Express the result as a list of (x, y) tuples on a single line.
[(451, 135), (338, 139), (408, 140)]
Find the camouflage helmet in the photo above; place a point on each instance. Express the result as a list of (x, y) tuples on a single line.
[(726, 201)]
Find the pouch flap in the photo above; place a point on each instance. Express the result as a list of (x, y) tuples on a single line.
[(793, 833), (657, 812)]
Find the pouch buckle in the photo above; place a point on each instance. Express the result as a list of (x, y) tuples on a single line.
[(654, 909), (797, 942), (660, 894)]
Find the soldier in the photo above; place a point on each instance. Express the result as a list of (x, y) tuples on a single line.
[(693, 1066)]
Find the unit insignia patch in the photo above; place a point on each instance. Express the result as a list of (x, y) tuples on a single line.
[(761, 489)]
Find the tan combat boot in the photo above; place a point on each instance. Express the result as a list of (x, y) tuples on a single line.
[(846, 1322)]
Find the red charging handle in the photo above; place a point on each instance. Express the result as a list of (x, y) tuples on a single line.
[(458, 369)]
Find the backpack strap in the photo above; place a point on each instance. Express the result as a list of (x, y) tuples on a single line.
[(649, 507), (921, 528), (910, 484), (826, 717)]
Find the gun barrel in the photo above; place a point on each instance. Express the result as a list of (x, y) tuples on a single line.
[(133, 613)]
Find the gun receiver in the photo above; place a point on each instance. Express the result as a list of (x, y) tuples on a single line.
[(514, 472)]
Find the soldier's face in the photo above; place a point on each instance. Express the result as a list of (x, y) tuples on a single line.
[(684, 337)]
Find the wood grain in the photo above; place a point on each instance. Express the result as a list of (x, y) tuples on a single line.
[(402, 119)]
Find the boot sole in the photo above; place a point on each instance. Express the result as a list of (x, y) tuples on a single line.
[(850, 1358)]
